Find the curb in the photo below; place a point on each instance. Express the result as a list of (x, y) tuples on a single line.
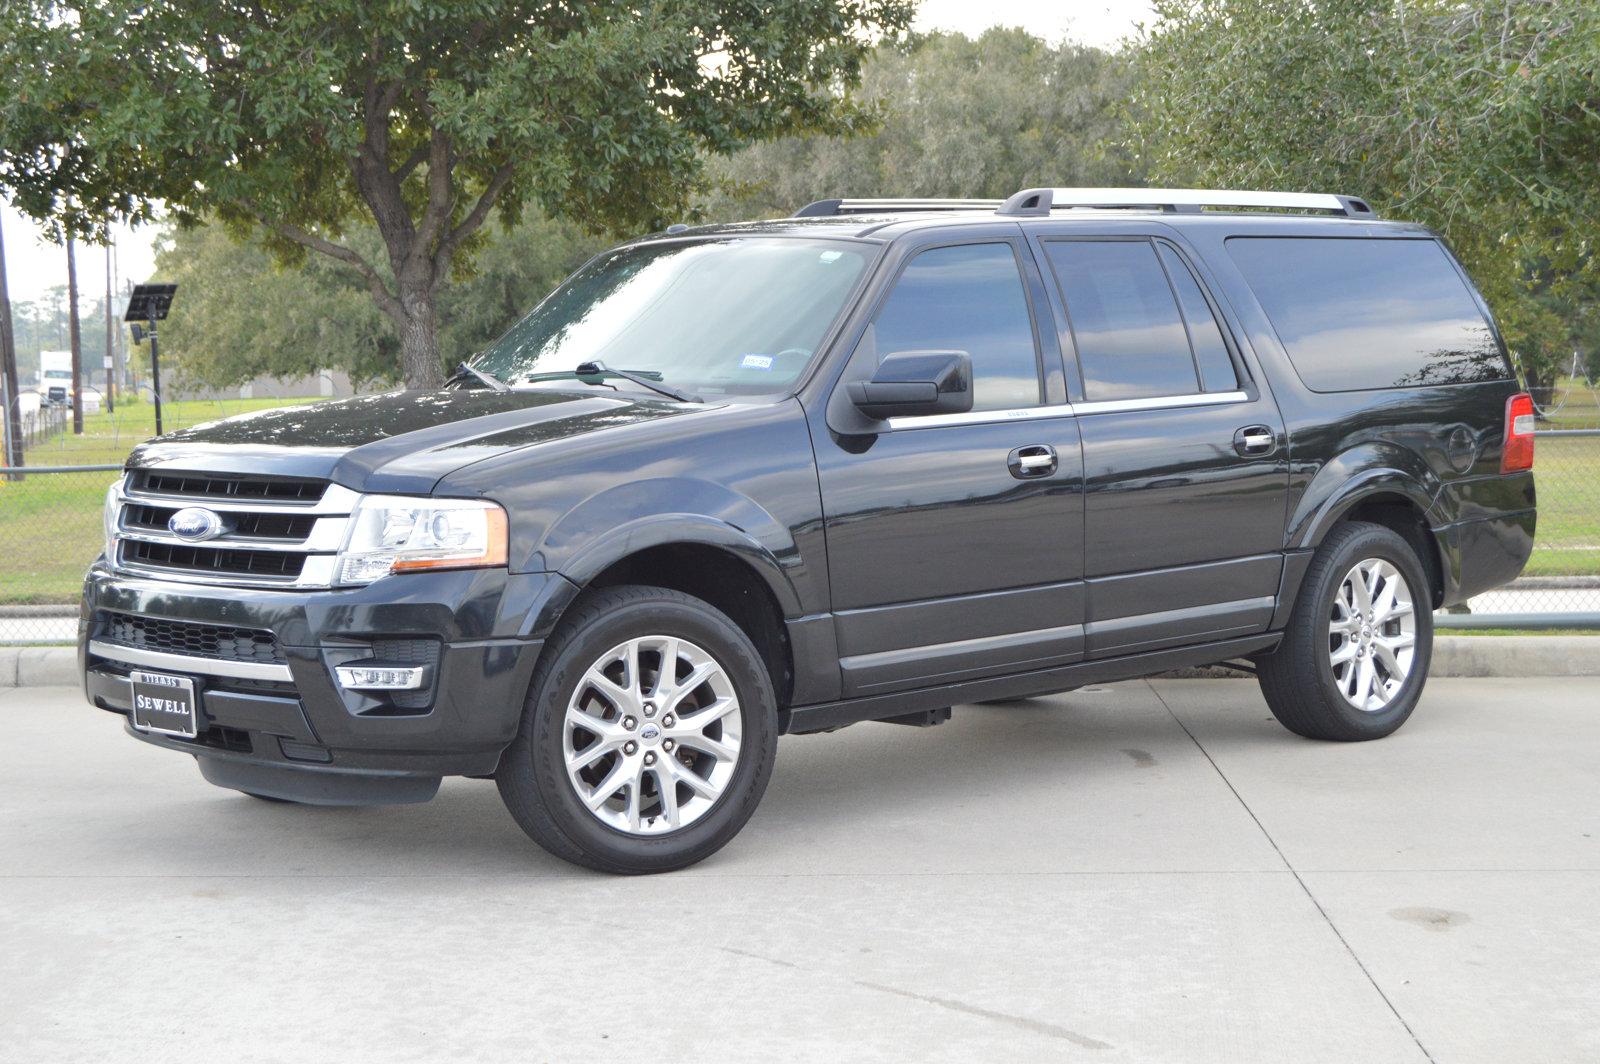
[(1453, 656), (39, 667), (1516, 655)]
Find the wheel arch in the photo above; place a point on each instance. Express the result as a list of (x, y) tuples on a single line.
[(725, 579), (1397, 499)]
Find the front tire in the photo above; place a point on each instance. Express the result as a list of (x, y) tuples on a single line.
[(1355, 654), (648, 734)]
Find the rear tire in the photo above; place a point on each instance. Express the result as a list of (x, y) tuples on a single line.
[(622, 766), (1355, 654)]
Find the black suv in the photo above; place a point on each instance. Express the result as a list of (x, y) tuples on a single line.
[(860, 464)]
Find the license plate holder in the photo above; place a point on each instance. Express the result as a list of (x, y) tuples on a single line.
[(165, 704)]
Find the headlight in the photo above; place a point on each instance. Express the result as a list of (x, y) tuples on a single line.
[(108, 519), (397, 534)]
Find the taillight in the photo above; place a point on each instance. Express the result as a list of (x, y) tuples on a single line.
[(1518, 453)]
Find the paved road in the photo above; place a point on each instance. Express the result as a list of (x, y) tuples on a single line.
[(1139, 873)]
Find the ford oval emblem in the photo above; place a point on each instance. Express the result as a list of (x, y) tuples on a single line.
[(195, 524)]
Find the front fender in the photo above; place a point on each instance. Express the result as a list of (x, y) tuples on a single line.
[(1376, 468), (628, 518)]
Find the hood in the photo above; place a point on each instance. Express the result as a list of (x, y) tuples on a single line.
[(400, 442)]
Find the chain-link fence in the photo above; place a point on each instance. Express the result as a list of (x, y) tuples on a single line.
[(50, 530)]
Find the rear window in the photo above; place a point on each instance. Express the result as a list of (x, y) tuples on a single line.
[(1362, 313)]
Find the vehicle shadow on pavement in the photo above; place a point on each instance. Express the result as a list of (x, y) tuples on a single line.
[(1094, 752)]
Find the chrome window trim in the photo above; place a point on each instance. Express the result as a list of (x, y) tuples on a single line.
[(981, 417), (156, 659), (1049, 410), (1161, 402)]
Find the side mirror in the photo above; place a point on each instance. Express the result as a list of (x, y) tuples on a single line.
[(915, 384)]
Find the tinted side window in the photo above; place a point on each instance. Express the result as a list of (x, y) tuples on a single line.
[(1205, 335), (1131, 342), (1359, 313), (967, 298)]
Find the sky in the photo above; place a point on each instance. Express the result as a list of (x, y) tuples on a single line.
[(34, 265)]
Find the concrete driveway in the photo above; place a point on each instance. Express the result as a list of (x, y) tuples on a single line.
[(1144, 872)]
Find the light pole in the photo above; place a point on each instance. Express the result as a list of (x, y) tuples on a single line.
[(149, 304)]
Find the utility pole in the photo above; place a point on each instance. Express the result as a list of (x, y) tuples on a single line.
[(75, 338), (120, 356), (110, 361), (12, 453)]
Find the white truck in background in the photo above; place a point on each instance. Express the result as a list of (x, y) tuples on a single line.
[(55, 382)]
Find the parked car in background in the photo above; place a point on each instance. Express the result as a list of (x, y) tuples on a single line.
[(863, 464)]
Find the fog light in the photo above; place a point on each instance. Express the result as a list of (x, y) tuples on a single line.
[(381, 677)]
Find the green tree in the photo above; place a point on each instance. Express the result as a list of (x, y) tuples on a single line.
[(244, 315), (960, 117), (1475, 117), (300, 119)]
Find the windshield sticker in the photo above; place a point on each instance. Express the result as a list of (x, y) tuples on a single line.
[(832, 256), (756, 362)]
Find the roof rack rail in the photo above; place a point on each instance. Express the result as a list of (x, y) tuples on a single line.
[(831, 207), (1039, 202)]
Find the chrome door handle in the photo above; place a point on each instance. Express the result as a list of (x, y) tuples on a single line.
[(1026, 463), (1255, 440)]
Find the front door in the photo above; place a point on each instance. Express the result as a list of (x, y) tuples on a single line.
[(1185, 471), (950, 557)]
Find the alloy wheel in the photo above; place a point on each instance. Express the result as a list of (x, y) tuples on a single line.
[(1372, 634), (651, 736)]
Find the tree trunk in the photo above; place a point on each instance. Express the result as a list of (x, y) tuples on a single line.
[(419, 340), (75, 338), (12, 454)]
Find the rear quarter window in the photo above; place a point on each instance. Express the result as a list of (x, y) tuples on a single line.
[(1359, 313)]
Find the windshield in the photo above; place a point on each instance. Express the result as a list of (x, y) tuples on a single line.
[(727, 317), (58, 374)]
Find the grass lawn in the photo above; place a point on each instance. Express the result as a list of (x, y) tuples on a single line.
[(50, 524), (107, 438)]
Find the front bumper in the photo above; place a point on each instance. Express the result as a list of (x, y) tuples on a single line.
[(288, 728)]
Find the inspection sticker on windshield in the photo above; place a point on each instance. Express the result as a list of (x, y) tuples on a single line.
[(756, 362)]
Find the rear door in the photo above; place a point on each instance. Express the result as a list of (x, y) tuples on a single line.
[(1185, 468)]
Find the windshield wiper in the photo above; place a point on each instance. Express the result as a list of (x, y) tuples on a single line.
[(464, 370), (596, 368)]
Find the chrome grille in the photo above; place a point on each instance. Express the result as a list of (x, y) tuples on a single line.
[(269, 563), (293, 527), (277, 531), (226, 486)]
